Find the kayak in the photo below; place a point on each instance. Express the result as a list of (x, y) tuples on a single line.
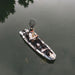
[(44, 50)]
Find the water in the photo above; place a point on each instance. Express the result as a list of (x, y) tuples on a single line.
[(55, 25)]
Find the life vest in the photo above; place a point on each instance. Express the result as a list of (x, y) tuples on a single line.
[(33, 33)]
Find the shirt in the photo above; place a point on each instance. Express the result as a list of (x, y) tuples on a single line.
[(32, 36)]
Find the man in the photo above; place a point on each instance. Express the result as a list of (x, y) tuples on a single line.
[(33, 37)]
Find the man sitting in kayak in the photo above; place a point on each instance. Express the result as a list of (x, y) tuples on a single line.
[(33, 37)]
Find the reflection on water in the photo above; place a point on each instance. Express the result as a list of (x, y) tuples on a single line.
[(6, 7), (25, 3)]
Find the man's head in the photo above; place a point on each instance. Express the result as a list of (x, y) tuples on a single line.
[(31, 30)]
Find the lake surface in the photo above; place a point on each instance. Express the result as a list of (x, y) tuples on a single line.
[(55, 25)]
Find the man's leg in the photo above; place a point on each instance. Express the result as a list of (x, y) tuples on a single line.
[(38, 41), (33, 42)]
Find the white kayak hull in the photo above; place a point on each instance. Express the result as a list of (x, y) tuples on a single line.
[(52, 55)]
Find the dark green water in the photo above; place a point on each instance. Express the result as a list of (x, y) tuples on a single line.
[(55, 25)]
